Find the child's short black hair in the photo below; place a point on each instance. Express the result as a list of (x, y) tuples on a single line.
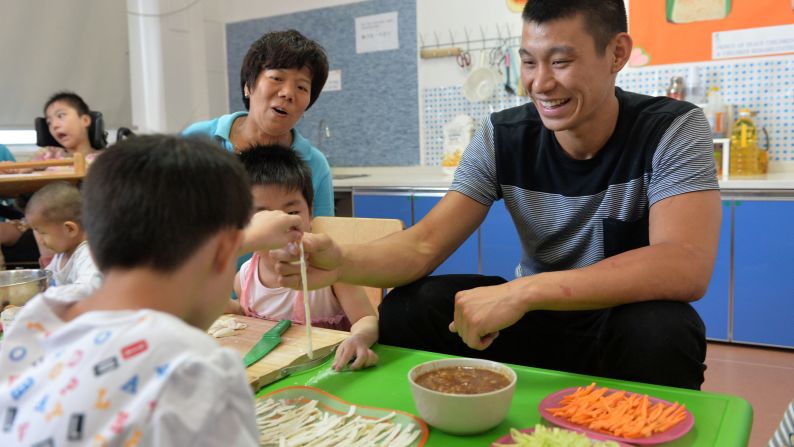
[(603, 18), (57, 202), (278, 165), (284, 49), (71, 98), (152, 201)]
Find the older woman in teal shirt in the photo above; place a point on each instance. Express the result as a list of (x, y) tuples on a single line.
[(281, 76)]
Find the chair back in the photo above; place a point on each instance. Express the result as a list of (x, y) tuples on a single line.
[(358, 230)]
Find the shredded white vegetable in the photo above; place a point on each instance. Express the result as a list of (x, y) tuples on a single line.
[(225, 327), (286, 424), (306, 309)]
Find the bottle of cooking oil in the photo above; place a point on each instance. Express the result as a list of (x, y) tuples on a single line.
[(744, 146)]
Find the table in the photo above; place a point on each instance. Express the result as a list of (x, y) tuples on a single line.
[(12, 185), (720, 419)]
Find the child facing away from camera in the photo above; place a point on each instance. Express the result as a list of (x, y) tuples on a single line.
[(281, 180), (132, 363), (54, 213)]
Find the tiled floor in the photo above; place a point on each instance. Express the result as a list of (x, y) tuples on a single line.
[(762, 376)]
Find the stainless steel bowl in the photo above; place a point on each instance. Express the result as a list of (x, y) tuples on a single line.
[(18, 286)]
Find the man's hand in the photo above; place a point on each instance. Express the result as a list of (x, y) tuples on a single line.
[(354, 346), (323, 261), (270, 229), (482, 312)]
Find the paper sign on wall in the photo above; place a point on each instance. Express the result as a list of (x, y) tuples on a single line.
[(334, 81), (753, 42), (377, 33)]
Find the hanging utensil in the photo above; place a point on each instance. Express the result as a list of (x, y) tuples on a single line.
[(508, 86)]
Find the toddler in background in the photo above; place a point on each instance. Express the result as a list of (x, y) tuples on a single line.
[(131, 364), (54, 213), (281, 180)]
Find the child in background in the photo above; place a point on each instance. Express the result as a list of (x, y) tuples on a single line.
[(55, 214), (68, 121), (281, 180), (132, 364)]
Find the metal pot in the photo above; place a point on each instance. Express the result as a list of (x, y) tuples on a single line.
[(18, 286)]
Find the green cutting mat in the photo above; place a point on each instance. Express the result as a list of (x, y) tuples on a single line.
[(720, 419)]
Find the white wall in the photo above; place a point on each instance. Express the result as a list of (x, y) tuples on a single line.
[(178, 63), (49, 46), (240, 10)]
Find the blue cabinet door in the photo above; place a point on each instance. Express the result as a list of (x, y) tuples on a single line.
[(500, 248), (465, 258), (383, 205), (713, 307), (763, 273)]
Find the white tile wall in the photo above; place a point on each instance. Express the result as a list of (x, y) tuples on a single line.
[(763, 85)]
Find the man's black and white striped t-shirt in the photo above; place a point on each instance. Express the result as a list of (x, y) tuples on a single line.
[(573, 213)]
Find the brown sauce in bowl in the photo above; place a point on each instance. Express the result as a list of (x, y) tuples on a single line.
[(462, 380)]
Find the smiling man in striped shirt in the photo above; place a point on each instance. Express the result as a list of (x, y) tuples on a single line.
[(616, 202)]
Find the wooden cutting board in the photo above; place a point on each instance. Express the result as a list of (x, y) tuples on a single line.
[(291, 350)]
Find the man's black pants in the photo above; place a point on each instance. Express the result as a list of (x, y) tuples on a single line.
[(659, 342)]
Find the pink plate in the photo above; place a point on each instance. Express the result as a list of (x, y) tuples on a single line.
[(507, 440), (674, 432)]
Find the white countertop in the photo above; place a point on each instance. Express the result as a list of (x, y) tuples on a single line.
[(435, 177)]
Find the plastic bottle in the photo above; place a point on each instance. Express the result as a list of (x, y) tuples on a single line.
[(677, 89), (744, 146), (717, 113), (695, 92)]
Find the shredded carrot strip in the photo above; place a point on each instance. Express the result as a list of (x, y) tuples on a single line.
[(618, 413)]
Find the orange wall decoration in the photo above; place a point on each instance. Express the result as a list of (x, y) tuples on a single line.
[(658, 40), (516, 5)]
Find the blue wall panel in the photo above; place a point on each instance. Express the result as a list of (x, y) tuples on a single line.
[(374, 119)]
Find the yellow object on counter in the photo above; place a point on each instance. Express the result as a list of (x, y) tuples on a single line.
[(744, 158)]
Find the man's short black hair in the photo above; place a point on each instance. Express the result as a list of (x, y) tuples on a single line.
[(152, 201), (73, 99), (278, 165), (603, 18), (284, 50)]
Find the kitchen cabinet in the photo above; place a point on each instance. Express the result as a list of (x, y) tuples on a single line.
[(466, 258), (713, 307), (386, 205), (500, 248), (763, 281)]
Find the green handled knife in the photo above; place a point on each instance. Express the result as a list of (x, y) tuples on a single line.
[(269, 340)]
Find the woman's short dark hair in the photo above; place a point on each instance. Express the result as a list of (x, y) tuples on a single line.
[(73, 99), (152, 201), (603, 18), (281, 166), (284, 49)]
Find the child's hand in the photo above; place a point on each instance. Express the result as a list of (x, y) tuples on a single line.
[(233, 307), (323, 256), (354, 346), (271, 229)]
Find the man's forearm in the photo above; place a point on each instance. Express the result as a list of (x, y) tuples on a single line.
[(390, 262), (657, 272)]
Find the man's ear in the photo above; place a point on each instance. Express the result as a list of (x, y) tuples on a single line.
[(72, 228), (85, 120), (620, 51), (227, 248)]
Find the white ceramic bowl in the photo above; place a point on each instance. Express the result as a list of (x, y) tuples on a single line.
[(462, 414), (18, 286), (481, 84)]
